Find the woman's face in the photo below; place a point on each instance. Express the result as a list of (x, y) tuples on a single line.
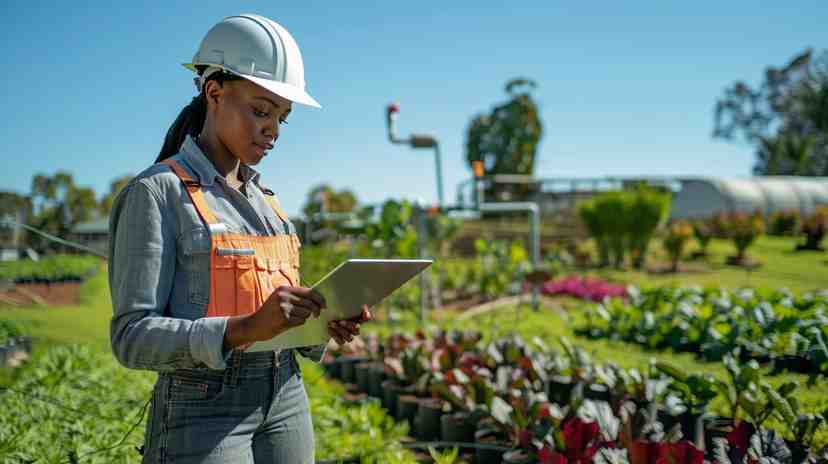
[(247, 118)]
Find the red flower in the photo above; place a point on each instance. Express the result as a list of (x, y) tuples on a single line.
[(679, 453)]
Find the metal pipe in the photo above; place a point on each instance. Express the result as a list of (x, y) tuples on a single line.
[(533, 211), (439, 169), (416, 141)]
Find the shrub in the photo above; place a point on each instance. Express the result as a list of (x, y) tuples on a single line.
[(718, 225), (592, 221), (743, 229), (783, 222), (622, 222), (703, 233), (647, 208), (814, 228), (678, 234)]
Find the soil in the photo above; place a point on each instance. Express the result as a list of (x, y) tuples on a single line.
[(65, 293)]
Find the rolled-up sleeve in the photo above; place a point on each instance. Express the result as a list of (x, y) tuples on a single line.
[(142, 268)]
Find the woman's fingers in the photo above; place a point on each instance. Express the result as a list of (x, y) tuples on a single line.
[(338, 333), (296, 299), (366, 314), (310, 294)]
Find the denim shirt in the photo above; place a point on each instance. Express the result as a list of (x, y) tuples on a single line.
[(159, 263)]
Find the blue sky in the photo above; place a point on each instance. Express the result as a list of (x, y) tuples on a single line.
[(625, 88)]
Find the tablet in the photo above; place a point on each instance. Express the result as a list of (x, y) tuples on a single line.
[(347, 288)]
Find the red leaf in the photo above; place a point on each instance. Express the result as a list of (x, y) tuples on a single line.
[(643, 452), (547, 456), (739, 438), (544, 411), (680, 453), (524, 438), (578, 435)]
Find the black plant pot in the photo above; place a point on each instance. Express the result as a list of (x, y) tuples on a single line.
[(427, 421), (376, 376), (407, 409), (348, 364), (333, 369), (715, 428), (516, 457), (798, 364), (668, 421), (559, 389), (490, 447), (799, 453), (456, 428), (363, 381), (390, 394), (597, 392), (692, 427)]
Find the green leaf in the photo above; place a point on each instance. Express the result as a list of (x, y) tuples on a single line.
[(671, 371)]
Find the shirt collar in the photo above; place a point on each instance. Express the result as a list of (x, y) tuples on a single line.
[(204, 169)]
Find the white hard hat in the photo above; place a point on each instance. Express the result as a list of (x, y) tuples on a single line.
[(259, 50)]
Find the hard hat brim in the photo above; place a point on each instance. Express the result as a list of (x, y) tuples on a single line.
[(290, 92), (287, 91)]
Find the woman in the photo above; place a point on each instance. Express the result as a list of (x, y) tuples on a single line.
[(204, 263)]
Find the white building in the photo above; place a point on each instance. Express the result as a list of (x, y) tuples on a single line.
[(704, 197)]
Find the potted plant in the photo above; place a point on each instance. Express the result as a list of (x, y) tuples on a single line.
[(694, 392), (408, 369), (678, 234), (703, 233)]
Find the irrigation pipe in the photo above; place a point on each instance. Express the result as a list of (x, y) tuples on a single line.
[(55, 238)]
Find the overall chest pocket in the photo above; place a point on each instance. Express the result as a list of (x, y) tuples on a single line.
[(195, 259), (273, 273), (234, 278)]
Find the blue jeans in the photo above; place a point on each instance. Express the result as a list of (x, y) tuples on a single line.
[(255, 411)]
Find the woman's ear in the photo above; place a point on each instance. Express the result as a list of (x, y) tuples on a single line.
[(213, 92)]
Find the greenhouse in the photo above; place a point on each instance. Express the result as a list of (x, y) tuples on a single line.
[(703, 197)]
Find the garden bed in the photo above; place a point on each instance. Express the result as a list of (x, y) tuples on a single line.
[(457, 389), (60, 293)]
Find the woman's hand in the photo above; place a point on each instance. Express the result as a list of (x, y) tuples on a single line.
[(287, 307), (344, 330)]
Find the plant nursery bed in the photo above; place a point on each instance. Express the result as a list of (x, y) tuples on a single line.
[(59, 293)]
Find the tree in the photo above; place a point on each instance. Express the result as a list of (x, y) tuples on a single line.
[(785, 118), (58, 205), (17, 208), (324, 195), (506, 140), (115, 187)]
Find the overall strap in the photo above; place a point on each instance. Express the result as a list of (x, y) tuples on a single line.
[(195, 192)]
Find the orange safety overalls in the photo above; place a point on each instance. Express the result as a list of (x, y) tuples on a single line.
[(244, 269)]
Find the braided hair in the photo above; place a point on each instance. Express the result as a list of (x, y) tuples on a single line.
[(191, 119)]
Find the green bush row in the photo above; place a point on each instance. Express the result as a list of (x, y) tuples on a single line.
[(52, 268)]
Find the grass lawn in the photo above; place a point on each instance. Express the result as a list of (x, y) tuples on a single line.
[(801, 271)]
